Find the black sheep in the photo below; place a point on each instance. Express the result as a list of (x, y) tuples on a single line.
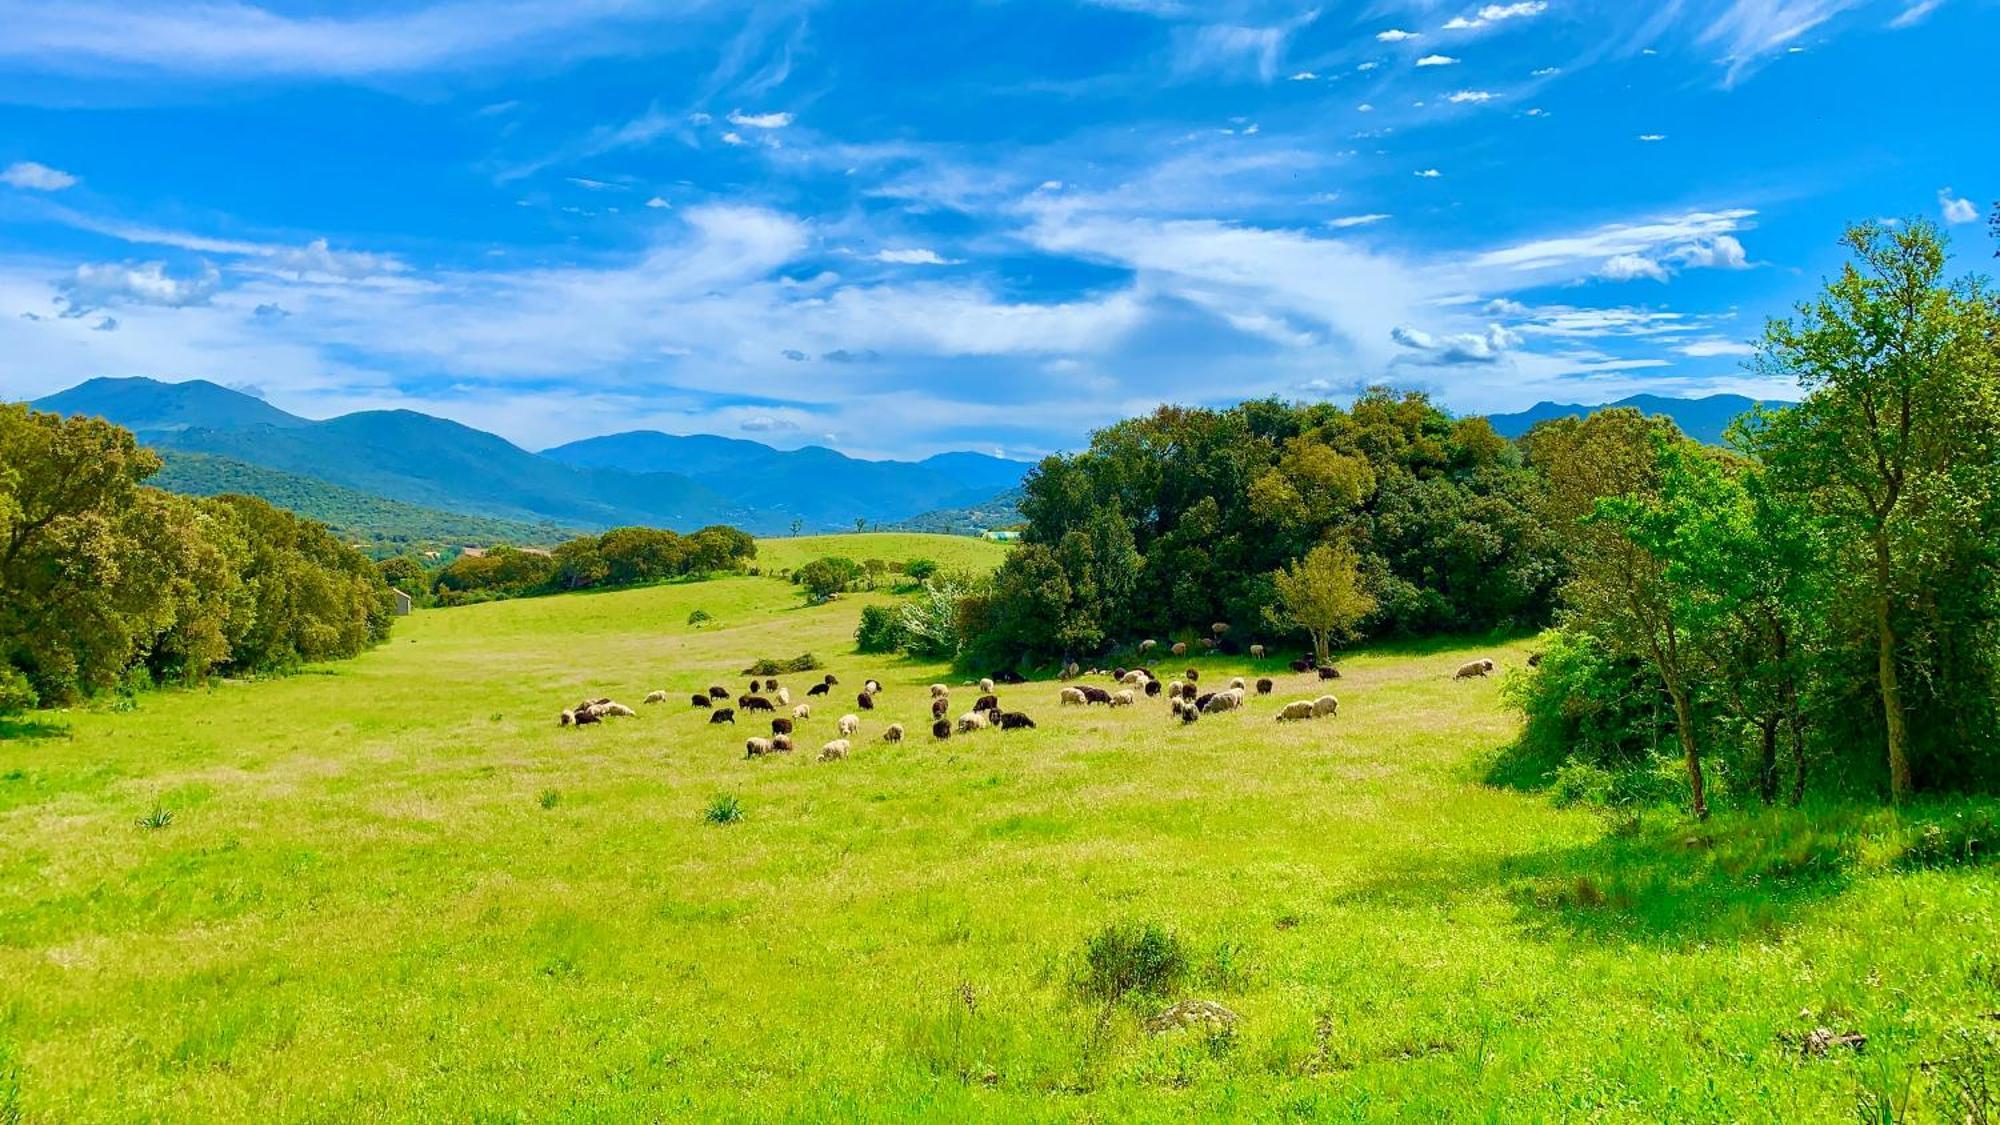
[(939, 706), (1095, 695), (1011, 678), (722, 715), (1152, 687), (781, 726), (1118, 674), (1264, 686), (1329, 673), (818, 689), (1193, 676), (1201, 704), (755, 703), (770, 685), (865, 701), (1534, 660), (1190, 714), (941, 729), (1014, 720), (702, 701), (586, 716), (718, 692), (830, 680), (1302, 666), (987, 703)]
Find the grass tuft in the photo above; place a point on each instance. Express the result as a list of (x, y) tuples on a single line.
[(723, 809)]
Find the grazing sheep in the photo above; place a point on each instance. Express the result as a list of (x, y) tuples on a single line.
[(1118, 673), (770, 685), (781, 726), (1219, 628), (1011, 677), (894, 733), (819, 689), (1329, 672), (610, 708), (939, 706), (702, 700), (655, 697), (1072, 670), (939, 691), (1148, 645), (754, 703), (1095, 695), (848, 724), (872, 687), (1224, 701), (986, 686), (941, 729), (566, 718), (1074, 696), (1152, 688), (1473, 668), (1325, 705), (802, 711), (784, 697), (756, 747), (1294, 712), (972, 721), (1135, 677), (1256, 652), (986, 703), (1265, 685), (722, 715), (717, 691), (1237, 684), (1534, 660), (1302, 665), (1189, 712), (1208, 644), (1201, 702), (865, 701), (834, 751), (586, 716), (1179, 649), (781, 743), (1174, 690), (1193, 676), (1013, 720), (830, 679), (1124, 698)]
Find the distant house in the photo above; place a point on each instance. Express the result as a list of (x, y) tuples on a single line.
[(402, 602), (473, 552)]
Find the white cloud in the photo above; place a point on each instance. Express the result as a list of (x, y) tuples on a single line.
[(1722, 252), (1496, 13), (1545, 72), (1710, 349), (732, 138), (759, 120), (1429, 174), (1347, 221), (96, 285), (1368, 66), (1364, 107), (1437, 60), (918, 256), (1915, 13), (1631, 267), (1304, 76), (1469, 97), (30, 176), (1652, 138), (1467, 347), (658, 204), (1749, 31), (1956, 209), (767, 424), (1237, 50), (1565, 253), (1395, 35)]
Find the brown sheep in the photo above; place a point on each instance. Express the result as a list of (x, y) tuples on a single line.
[(1473, 668), (1265, 686), (941, 730), (1179, 649), (986, 703), (701, 700), (1305, 665), (893, 733), (770, 685), (781, 726), (781, 743), (754, 703), (939, 706), (722, 715), (1095, 695), (1193, 676), (1219, 628), (1534, 660), (830, 679), (1329, 672), (865, 701)]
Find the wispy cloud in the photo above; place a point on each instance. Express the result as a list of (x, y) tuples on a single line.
[(30, 176), (1956, 209), (1437, 60)]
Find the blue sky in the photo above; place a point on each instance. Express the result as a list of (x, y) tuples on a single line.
[(996, 224)]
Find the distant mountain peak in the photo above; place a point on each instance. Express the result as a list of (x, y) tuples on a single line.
[(1705, 419), (145, 405)]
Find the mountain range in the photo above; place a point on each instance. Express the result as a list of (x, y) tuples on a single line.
[(397, 476)]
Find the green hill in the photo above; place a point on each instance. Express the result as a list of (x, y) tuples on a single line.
[(384, 526)]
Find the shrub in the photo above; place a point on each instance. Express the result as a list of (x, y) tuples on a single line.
[(823, 578), (803, 662), (1965, 839), (699, 617), (550, 798), (158, 818), (724, 809), (16, 693), (881, 629), (930, 621), (920, 570), (1131, 958)]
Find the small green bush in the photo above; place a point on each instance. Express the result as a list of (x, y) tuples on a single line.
[(698, 617), (1965, 839), (550, 798), (881, 629), (724, 809), (16, 694), (156, 819), (1131, 958), (803, 662)]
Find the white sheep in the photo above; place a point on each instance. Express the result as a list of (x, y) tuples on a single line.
[(1325, 705), (1148, 645), (1124, 698), (1256, 652), (849, 724), (1237, 684), (834, 751), (1293, 712), (1074, 695), (616, 709), (1180, 648), (985, 687), (1135, 677), (894, 733), (756, 747), (802, 711), (1225, 701), (784, 697), (656, 697), (972, 721), (939, 691)]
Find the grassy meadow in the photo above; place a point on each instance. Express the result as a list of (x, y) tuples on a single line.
[(394, 889), (950, 552)]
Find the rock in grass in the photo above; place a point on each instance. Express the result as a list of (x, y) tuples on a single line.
[(1204, 1014)]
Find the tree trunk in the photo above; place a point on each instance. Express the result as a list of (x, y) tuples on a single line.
[(1885, 673), (1767, 763), (1798, 756), (1684, 720), (1319, 648)]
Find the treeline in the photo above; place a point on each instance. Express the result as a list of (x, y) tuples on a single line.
[(623, 556), (107, 583), (1820, 605)]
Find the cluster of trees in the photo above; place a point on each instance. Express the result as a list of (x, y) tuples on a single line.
[(822, 578), (623, 556), (1823, 597), (105, 581), (1188, 517)]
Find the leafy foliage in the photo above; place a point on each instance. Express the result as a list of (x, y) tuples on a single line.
[(1126, 959), (623, 556)]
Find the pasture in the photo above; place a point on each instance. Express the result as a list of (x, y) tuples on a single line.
[(950, 552), (394, 889)]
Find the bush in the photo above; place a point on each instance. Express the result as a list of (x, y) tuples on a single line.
[(1586, 704), (16, 693), (1131, 958), (550, 798), (699, 617), (881, 629), (803, 662), (930, 622), (1966, 839), (823, 578), (724, 809), (920, 570), (158, 818)]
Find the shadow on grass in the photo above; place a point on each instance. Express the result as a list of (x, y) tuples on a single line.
[(29, 728)]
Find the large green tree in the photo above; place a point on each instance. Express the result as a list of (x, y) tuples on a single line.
[(1322, 595)]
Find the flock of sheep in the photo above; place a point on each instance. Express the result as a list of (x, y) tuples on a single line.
[(1188, 703)]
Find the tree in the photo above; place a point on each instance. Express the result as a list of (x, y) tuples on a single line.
[(1897, 442), (798, 525), (1321, 594), (823, 578)]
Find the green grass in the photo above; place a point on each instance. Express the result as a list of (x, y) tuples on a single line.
[(371, 905), (952, 552)]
